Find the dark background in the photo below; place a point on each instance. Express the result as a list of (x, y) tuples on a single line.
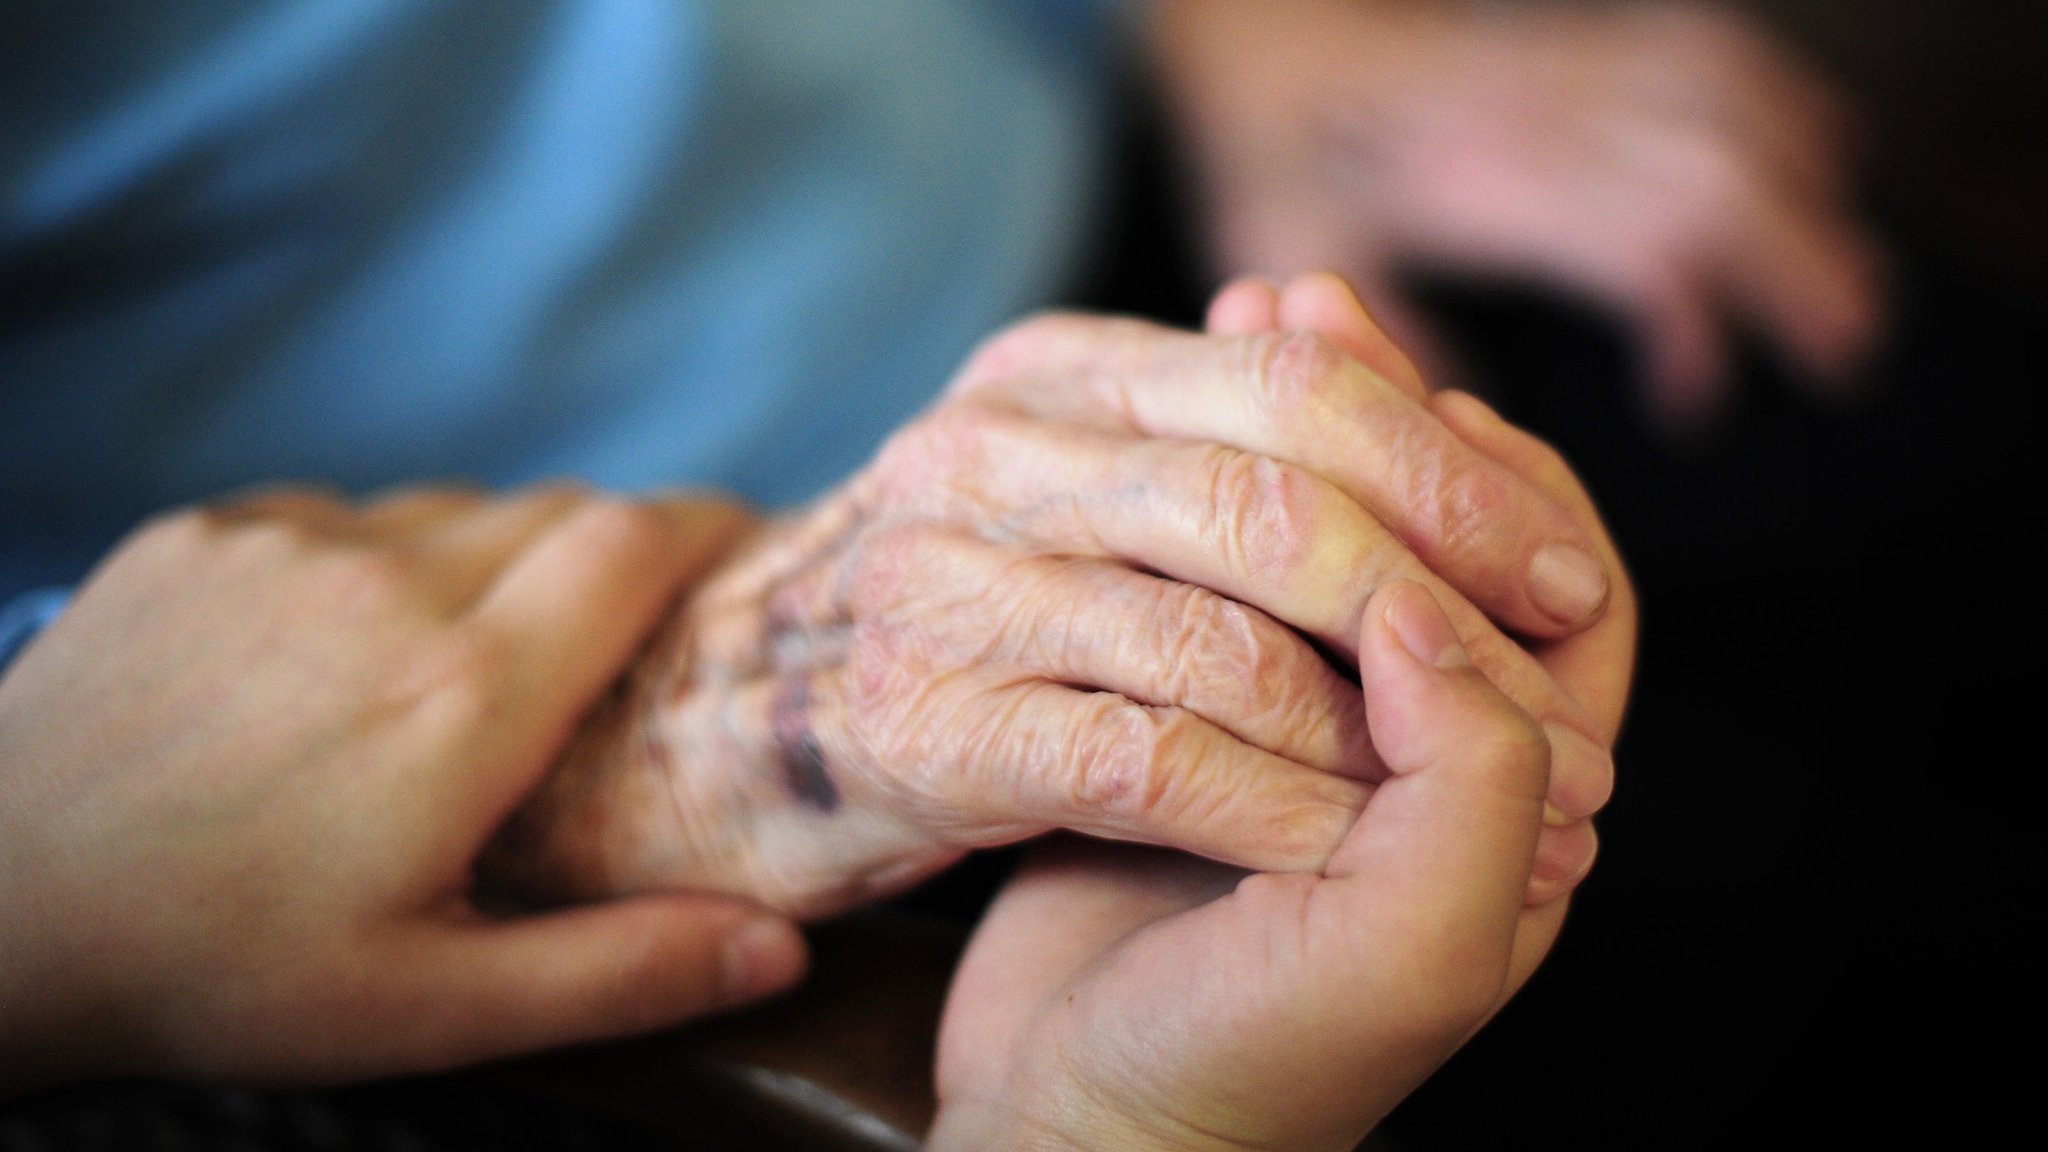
[(1822, 866)]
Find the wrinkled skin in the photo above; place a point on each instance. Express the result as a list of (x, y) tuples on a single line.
[(1101, 586), (1668, 162), (1127, 998), (1124, 998)]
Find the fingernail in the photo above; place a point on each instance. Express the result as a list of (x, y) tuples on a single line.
[(1567, 582), (1423, 628), (1554, 816), (1581, 772), (764, 956)]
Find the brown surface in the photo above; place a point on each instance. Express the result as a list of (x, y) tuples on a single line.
[(843, 1064)]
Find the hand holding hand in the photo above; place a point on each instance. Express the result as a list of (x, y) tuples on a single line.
[(1156, 1001), (1117, 998), (245, 777), (1093, 588)]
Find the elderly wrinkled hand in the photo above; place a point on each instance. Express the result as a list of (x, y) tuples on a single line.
[(1100, 586), (1669, 162)]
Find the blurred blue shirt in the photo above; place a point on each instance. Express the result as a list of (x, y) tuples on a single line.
[(726, 242)]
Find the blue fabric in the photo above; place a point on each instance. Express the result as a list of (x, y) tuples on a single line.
[(24, 616), (645, 242)]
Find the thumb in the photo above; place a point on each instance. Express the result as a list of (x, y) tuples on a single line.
[(1442, 854), (592, 972), (1411, 940)]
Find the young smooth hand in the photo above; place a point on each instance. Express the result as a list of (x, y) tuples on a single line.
[(1117, 998), (245, 777)]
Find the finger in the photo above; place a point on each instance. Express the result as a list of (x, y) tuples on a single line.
[(312, 506), (1448, 843), (1299, 399), (1256, 531), (1244, 306), (1684, 347), (1085, 622), (408, 512), (1808, 276), (984, 758), (1564, 855), (1596, 666), (490, 533), (707, 525), (1415, 935), (587, 973), (455, 542), (564, 617), (1322, 302), (1266, 534), (1787, 258), (1714, 68), (1269, 534)]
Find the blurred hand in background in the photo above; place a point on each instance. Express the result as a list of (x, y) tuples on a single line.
[(1667, 162)]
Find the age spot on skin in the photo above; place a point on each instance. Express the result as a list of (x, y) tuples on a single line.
[(803, 763)]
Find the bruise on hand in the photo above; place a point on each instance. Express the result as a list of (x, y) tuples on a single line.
[(804, 771)]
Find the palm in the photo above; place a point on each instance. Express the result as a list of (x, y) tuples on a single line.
[(1081, 922), (1098, 957)]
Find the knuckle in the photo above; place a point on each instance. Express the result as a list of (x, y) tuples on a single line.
[(1460, 504), (373, 577), (885, 665), (945, 441), (1129, 769), (1213, 648), (1036, 613), (613, 525), (1294, 374), (1259, 514), (1008, 353), (555, 496), (882, 569)]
